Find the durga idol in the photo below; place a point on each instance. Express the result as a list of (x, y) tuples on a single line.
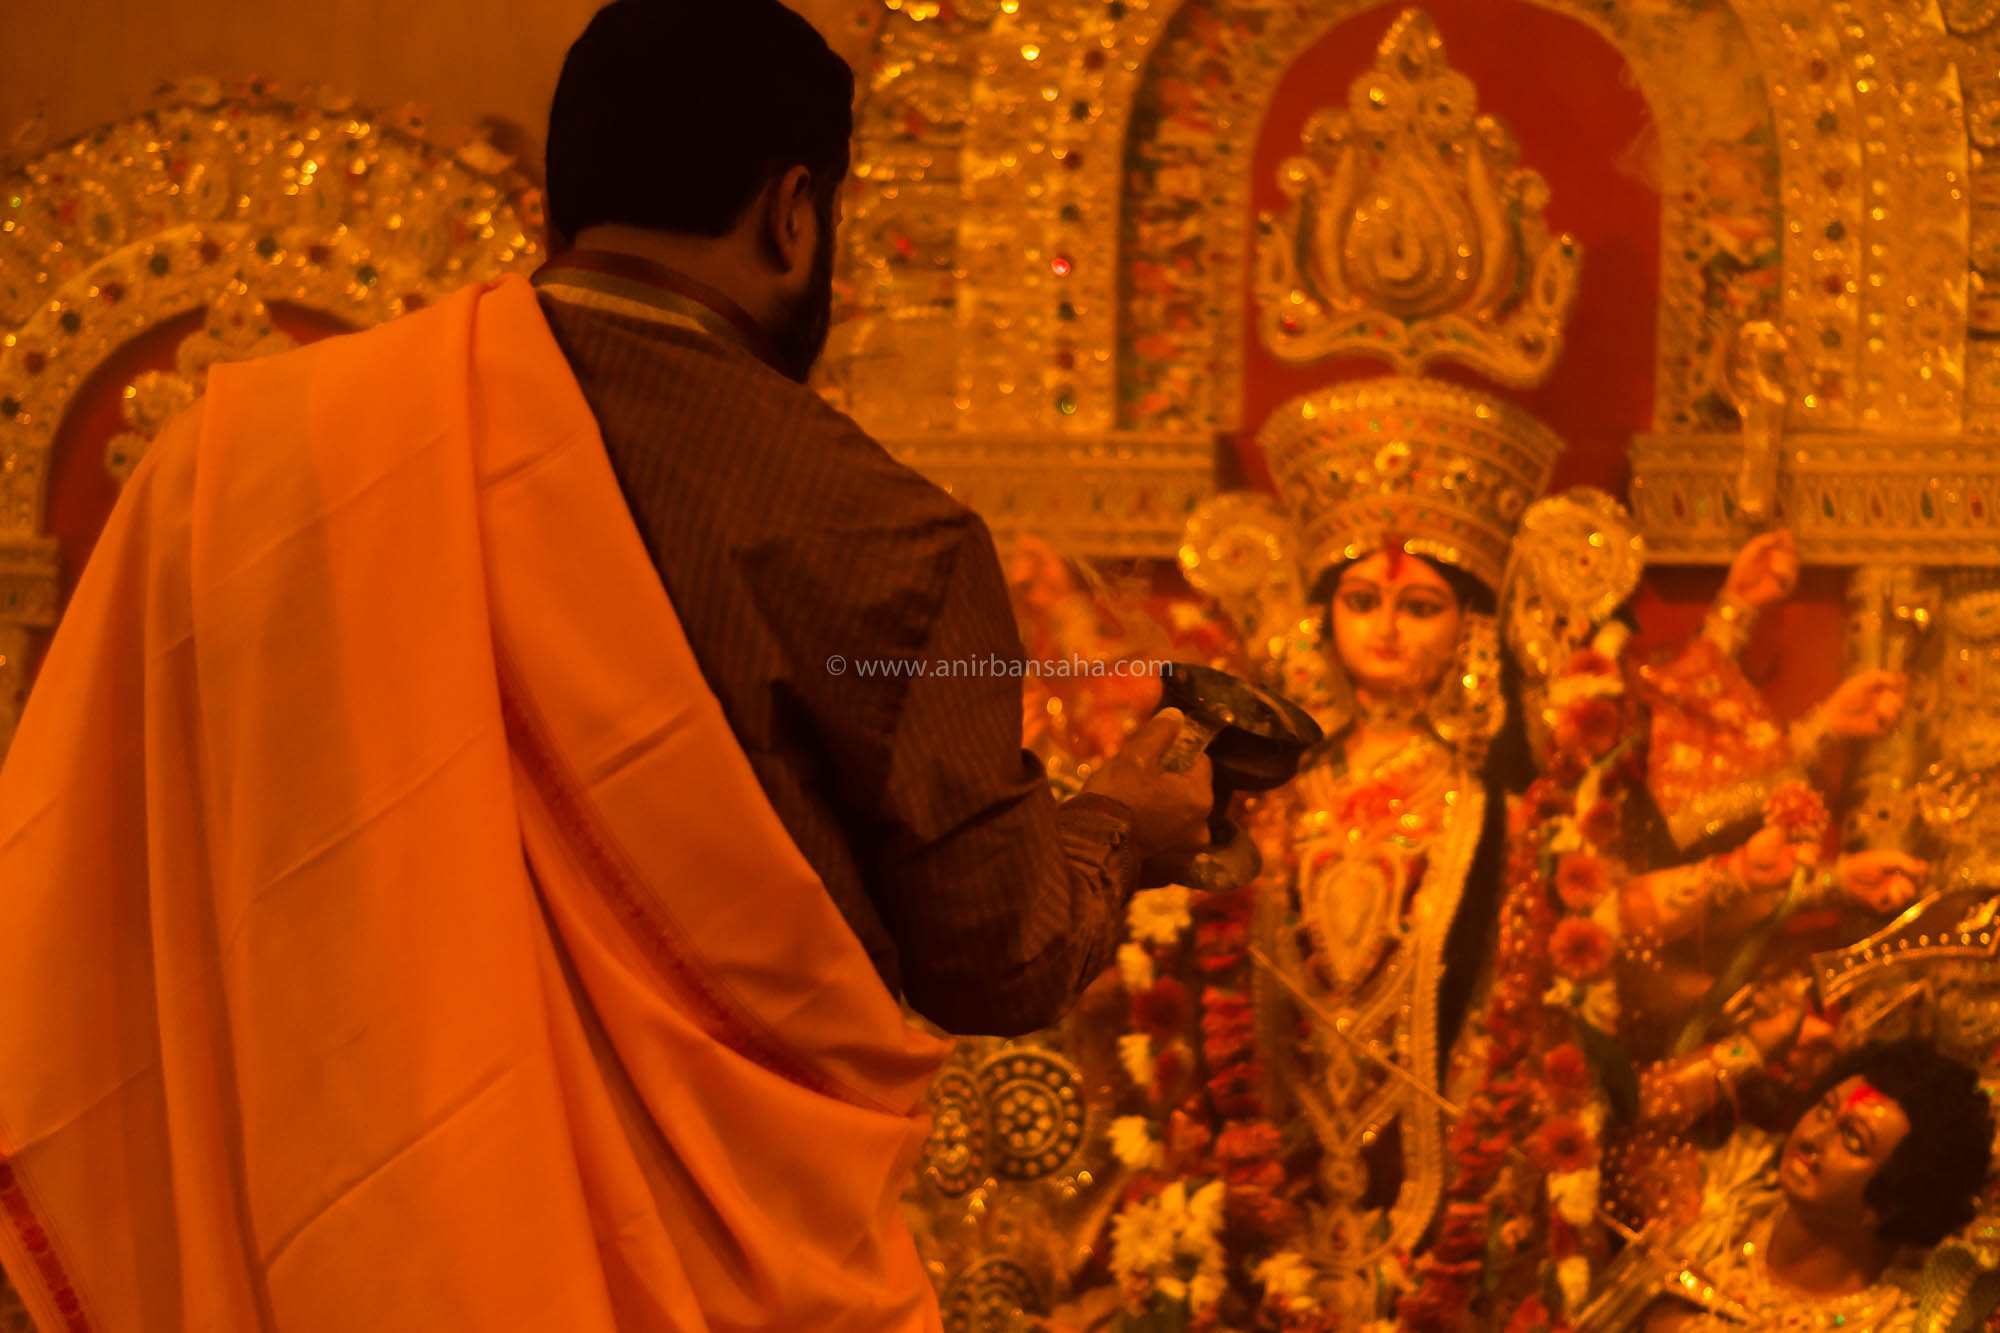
[(1372, 605)]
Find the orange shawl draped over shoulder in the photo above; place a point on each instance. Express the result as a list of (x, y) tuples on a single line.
[(392, 933)]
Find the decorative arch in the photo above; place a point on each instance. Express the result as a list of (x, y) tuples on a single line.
[(1861, 119), (281, 217), (1192, 143)]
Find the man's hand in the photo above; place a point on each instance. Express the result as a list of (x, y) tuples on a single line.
[(1883, 882), (1764, 571), (1866, 705), (1169, 810)]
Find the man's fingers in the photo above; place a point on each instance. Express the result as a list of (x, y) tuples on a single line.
[(1152, 740)]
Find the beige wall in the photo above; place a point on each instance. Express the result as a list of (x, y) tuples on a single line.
[(80, 63)]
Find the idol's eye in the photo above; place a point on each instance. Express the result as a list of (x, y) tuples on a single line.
[(1360, 600), (1423, 608)]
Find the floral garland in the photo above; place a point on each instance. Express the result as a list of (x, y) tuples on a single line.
[(1196, 1241), (1549, 1021)]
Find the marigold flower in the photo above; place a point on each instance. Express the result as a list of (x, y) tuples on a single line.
[(1580, 948), (1566, 1073), (1600, 823), (1591, 726), (1563, 1145), (1581, 881), (1161, 1010)]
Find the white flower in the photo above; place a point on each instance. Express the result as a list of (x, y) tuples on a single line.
[(1142, 1240), (1205, 1291), (1568, 835), (1135, 1049), (1132, 1143), (1611, 640), (1135, 967), (1159, 916), (1600, 1005), (1286, 1277), (1172, 1288), (1562, 994), (1205, 1211), (1573, 1277), (1574, 1194)]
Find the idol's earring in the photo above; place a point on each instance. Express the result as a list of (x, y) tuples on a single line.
[(1468, 709)]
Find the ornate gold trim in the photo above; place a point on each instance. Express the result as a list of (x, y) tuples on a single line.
[(1850, 499), (1414, 233), (1445, 470), (307, 201), (30, 581), (1118, 494)]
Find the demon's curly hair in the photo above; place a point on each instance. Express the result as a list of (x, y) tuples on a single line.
[(1929, 1186)]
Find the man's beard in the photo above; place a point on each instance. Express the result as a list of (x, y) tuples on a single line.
[(800, 335)]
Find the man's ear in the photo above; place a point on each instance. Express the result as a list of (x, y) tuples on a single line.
[(791, 222)]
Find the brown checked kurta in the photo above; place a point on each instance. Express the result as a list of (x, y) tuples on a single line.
[(787, 538)]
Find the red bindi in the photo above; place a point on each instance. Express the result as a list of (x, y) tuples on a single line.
[(1392, 551), (1861, 1097)]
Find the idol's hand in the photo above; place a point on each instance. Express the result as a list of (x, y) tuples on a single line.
[(1778, 1014), (1768, 860), (1764, 571), (1883, 882), (1866, 705), (1169, 810)]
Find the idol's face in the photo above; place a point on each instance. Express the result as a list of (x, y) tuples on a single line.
[(1395, 624), (1838, 1146)]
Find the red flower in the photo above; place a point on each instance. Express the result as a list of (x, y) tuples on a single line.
[(1237, 1090), (1544, 799), (1170, 1066), (1589, 725), (1187, 1144), (1222, 905), (1563, 1240), (1532, 1317), (1219, 945), (1581, 881), (1567, 1073), (1253, 1141), (1600, 824), (1161, 1010), (1228, 1027), (1256, 1210), (1798, 812), (1580, 948), (1568, 764), (1439, 1304), (1464, 1232), (1563, 1144)]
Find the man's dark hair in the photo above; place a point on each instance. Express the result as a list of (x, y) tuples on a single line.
[(1929, 1186), (673, 114)]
